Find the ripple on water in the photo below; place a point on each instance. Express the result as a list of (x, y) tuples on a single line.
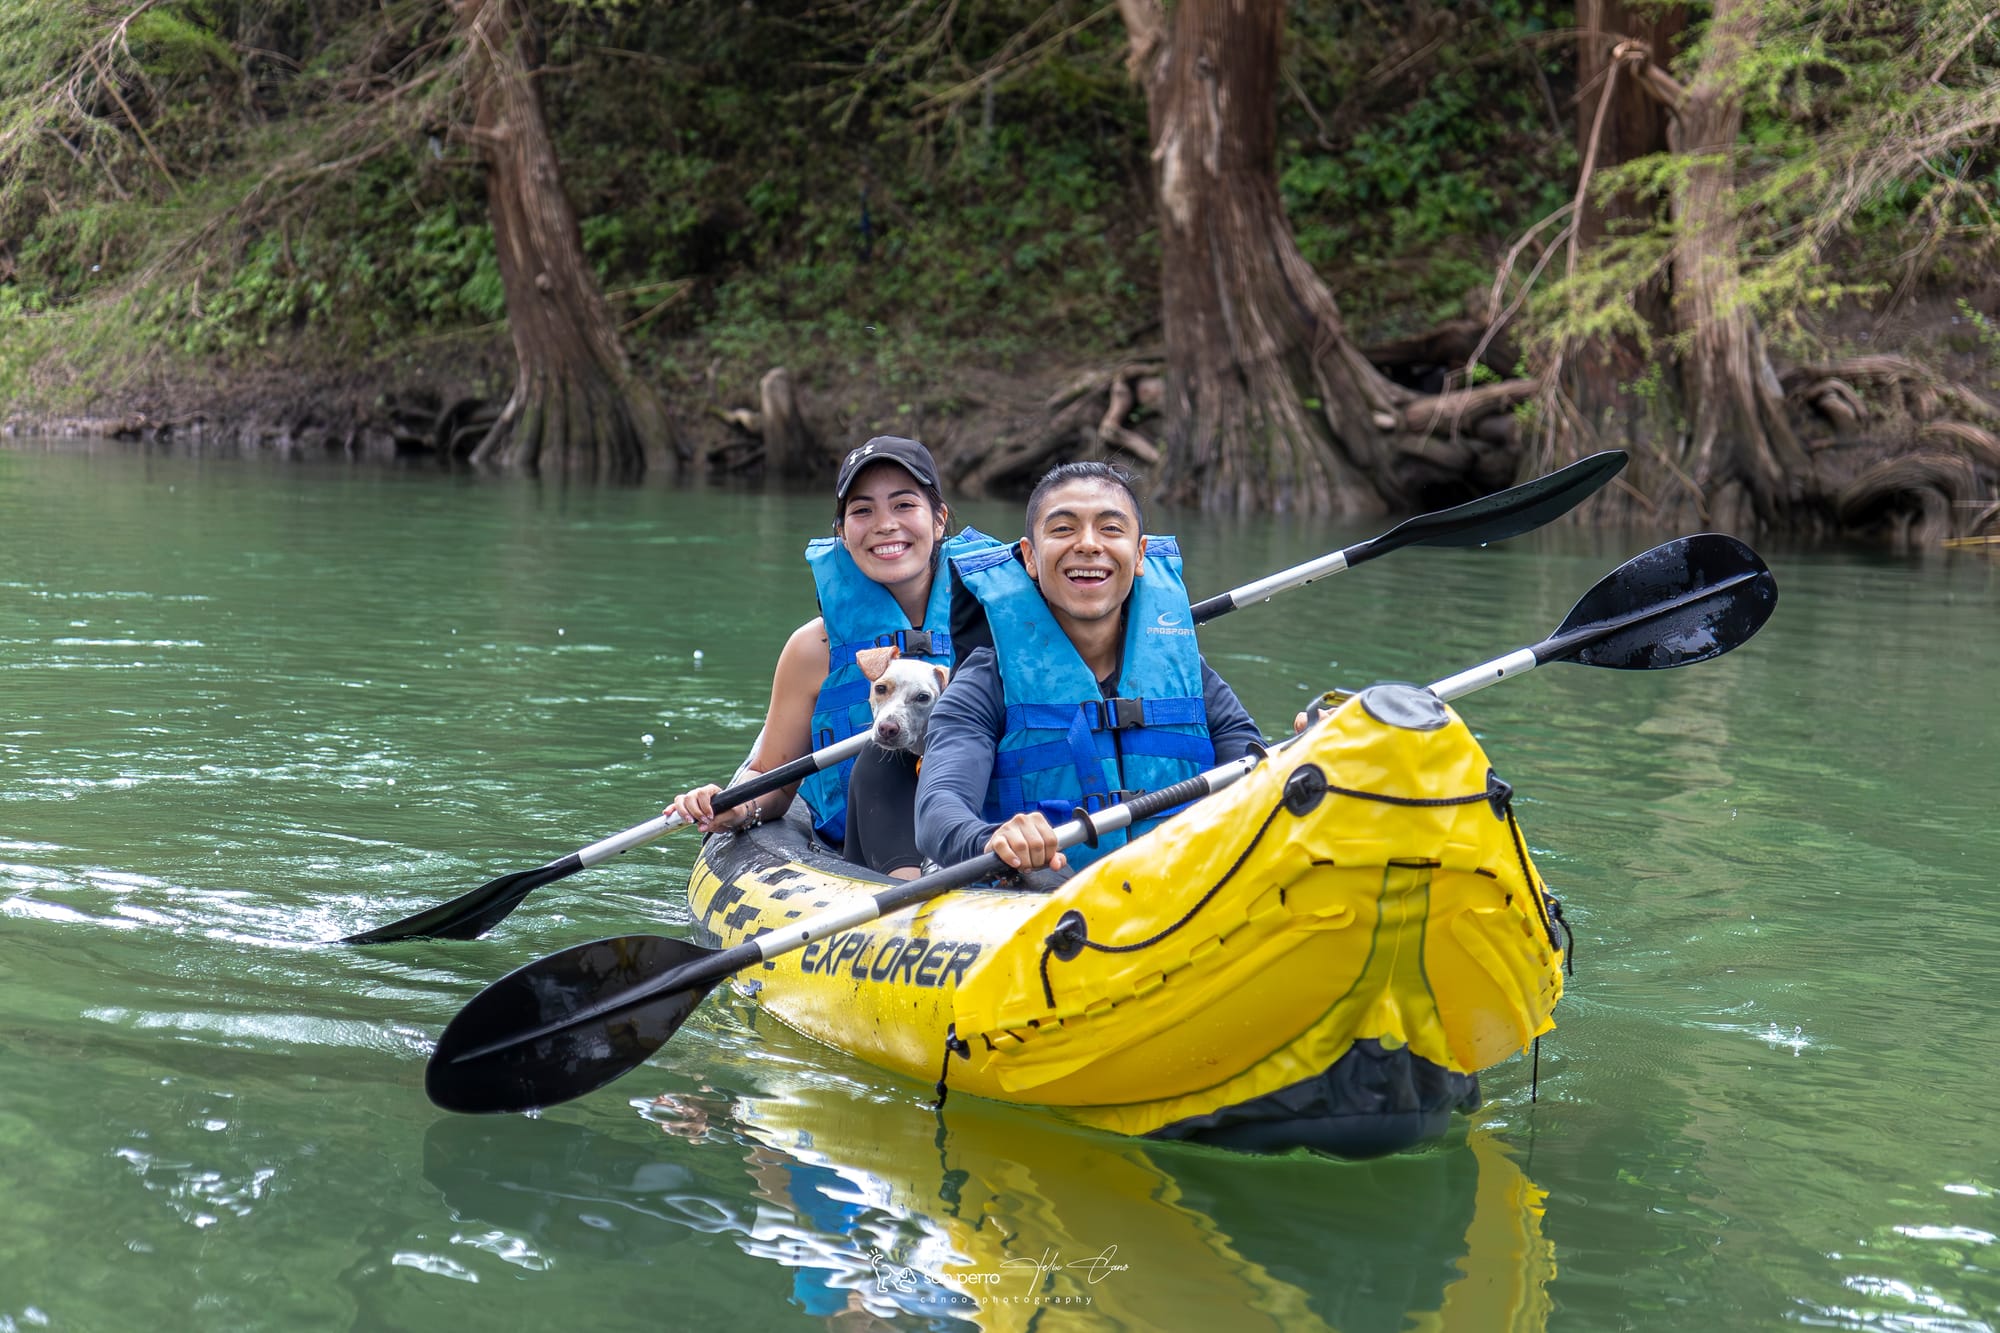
[(269, 1031), (436, 1265), (199, 1196)]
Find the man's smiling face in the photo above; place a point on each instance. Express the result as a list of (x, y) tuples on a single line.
[(1084, 548)]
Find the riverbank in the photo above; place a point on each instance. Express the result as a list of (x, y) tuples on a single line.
[(426, 404), (992, 425)]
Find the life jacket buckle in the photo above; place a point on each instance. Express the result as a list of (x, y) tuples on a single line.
[(915, 642), (1115, 714)]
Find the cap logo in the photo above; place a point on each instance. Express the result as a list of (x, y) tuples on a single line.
[(861, 453)]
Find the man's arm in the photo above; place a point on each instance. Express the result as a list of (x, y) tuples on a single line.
[(1230, 728), (958, 762)]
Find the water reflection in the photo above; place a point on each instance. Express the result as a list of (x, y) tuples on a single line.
[(982, 1217)]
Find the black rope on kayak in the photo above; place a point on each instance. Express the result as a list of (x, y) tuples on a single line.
[(1547, 906), (1385, 799), (1535, 1073), (953, 1045), (1071, 934)]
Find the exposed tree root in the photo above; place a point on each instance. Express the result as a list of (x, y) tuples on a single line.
[(1912, 498)]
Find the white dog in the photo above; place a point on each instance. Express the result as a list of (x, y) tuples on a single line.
[(903, 692)]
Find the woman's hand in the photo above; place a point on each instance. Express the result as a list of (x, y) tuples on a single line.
[(697, 807), (1027, 842)]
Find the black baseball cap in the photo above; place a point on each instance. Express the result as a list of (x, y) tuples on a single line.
[(906, 454)]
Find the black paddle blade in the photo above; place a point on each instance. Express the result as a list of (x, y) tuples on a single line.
[(470, 915), (1682, 602), (1508, 513), (579, 1058)]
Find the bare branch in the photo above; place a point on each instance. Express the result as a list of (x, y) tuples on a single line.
[(1146, 28)]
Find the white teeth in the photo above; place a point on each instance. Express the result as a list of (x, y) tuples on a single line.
[(1089, 574), (890, 550)]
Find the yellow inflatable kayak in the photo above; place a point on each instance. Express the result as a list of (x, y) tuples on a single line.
[(1323, 954)]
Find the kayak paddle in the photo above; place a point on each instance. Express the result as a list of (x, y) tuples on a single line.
[(573, 1021), (1491, 518), (471, 915)]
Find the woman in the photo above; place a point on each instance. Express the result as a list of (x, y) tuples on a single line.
[(879, 582)]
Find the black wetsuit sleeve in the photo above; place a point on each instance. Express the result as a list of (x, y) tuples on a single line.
[(882, 810), (958, 761), (1230, 727)]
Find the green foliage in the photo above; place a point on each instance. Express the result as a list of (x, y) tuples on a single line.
[(1987, 334), (180, 42), (42, 149), (1004, 244), (1650, 387), (895, 190), (1457, 150), (1868, 159)]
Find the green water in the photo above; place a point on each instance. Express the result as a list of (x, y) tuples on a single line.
[(246, 707)]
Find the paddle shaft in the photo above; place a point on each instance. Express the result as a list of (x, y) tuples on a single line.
[(1491, 518), (704, 973), (761, 784), (1566, 644), (472, 914)]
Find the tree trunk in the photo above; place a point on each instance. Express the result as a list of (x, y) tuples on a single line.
[(577, 406), (1269, 405), (789, 448), (1743, 462), (1620, 117)]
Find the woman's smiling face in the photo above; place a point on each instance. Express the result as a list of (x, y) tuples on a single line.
[(889, 526)]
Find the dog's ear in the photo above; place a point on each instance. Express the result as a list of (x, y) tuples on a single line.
[(874, 661), (942, 676)]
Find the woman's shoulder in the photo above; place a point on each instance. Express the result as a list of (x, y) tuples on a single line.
[(807, 646)]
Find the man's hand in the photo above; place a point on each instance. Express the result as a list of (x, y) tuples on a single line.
[(1027, 842)]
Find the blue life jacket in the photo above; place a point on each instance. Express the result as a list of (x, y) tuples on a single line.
[(860, 613), (1066, 745)]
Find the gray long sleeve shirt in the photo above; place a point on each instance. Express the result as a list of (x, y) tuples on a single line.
[(964, 736)]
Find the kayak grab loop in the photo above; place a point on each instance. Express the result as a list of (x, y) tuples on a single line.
[(1072, 932), (953, 1045), (1305, 789)]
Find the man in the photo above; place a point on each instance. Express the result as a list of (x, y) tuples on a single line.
[(1092, 691)]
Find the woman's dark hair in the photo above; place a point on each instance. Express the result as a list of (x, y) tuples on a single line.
[(1088, 469)]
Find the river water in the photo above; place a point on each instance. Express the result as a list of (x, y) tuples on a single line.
[(247, 707)]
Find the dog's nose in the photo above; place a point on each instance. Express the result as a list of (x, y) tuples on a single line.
[(888, 730)]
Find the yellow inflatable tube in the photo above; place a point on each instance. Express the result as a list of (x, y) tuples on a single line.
[(1323, 953)]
